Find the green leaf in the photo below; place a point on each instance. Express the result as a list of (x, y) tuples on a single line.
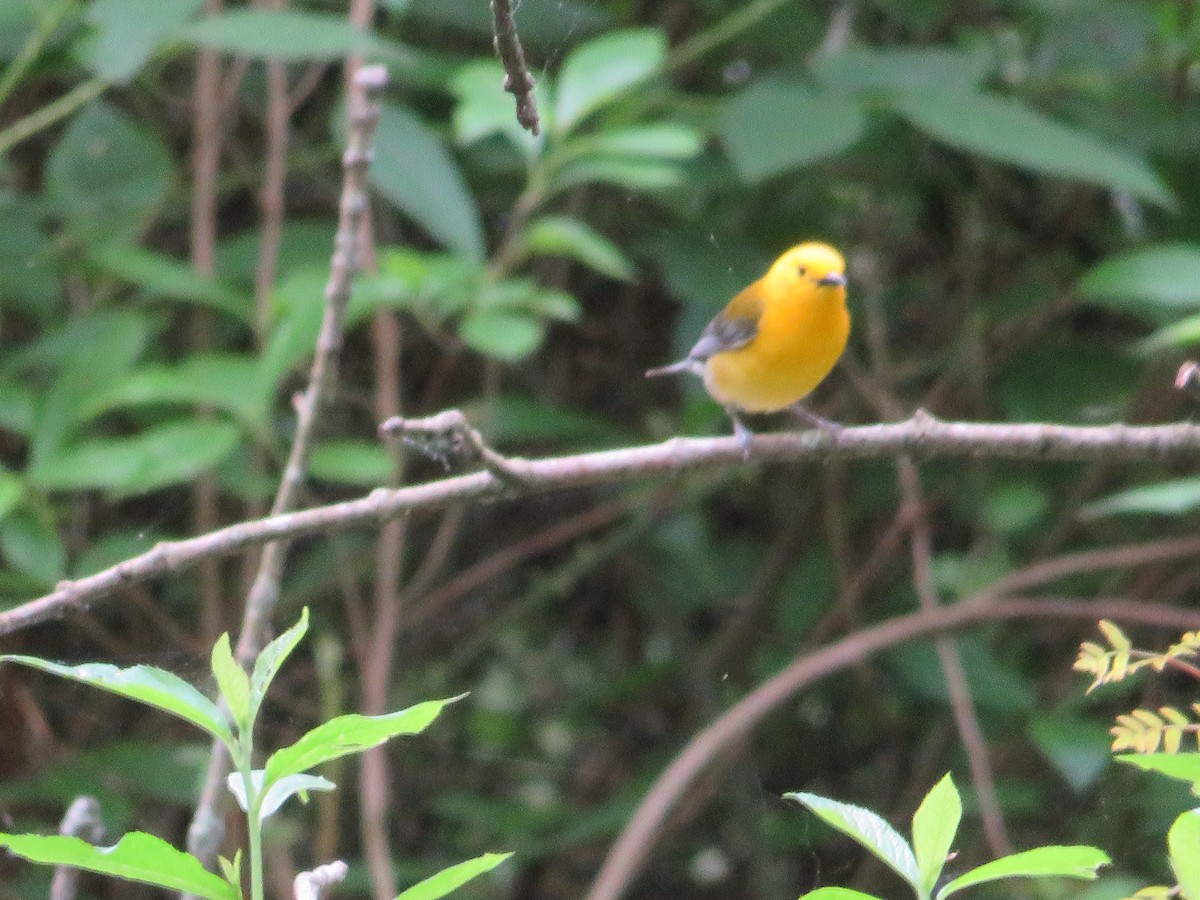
[(564, 236), (12, 489), (1157, 283), (1008, 131), (278, 793), (658, 141), (1183, 849), (107, 176), (837, 893), (233, 683), (234, 384), (1176, 497), (933, 828), (126, 33), (453, 877), (28, 276), (628, 172), (598, 71), (145, 684), (1063, 862), (163, 276), (33, 547), (1184, 766), (1076, 748), (281, 34), (775, 126), (484, 108), (166, 454), (507, 335), (136, 857), (350, 734), (870, 830), (413, 169), (267, 665), (361, 463), (868, 70)]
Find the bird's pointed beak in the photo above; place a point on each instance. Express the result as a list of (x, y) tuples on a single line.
[(833, 279)]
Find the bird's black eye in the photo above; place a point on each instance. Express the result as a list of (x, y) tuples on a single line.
[(802, 271)]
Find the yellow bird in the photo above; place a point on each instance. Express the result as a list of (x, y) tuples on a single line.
[(776, 340)]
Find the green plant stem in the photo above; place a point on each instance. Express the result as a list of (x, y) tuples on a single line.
[(51, 113), (32, 47), (725, 30), (253, 818)]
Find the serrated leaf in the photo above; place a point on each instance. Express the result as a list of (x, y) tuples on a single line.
[(1056, 861), (599, 70), (136, 857), (870, 830), (145, 684), (1008, 131), (564, 236), (453, 877), (934, 826), (775, 126), (350, 734)]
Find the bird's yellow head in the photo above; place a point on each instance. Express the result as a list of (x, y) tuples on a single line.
[(807, 267)]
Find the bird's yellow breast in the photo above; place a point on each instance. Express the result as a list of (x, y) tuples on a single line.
[(798, 341)]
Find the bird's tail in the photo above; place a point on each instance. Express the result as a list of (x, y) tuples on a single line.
[(684, 365)]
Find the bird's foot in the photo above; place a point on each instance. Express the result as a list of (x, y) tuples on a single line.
[(804, 414), (744, 436)]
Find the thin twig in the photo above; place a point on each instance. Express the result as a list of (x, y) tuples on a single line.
[(922, 436), (517, 80), (730, 731), (81, 820)]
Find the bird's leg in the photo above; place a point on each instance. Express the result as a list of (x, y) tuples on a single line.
[(743, 434), (802, 412)]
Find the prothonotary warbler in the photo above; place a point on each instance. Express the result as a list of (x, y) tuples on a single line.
[(776, 340)]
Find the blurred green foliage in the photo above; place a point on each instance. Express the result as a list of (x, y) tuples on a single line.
[(1013, 185)]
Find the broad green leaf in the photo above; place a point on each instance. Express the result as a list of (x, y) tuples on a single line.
[(453, 877), (484, 108), (564, 236), (598, 71), (1076, 748), (162, 455), (32, 546), (280, 34), (1062, 862), (107, 176), (28, 275), (660, 141), (507, 335), (164, 276), (1183, 333), (413, 169), (126, 33), (1176, 497), (233, 683), (145, 684), (1183, 849), (870, 70), (934, 825), (136, 857), (775, 126), (629, 172), (1184, 766), (837, 893), (350, 734), (1011, 132), (266, 666), (12, 489), (1157, 283), (870, 830), (361, 463), (235, 384)]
